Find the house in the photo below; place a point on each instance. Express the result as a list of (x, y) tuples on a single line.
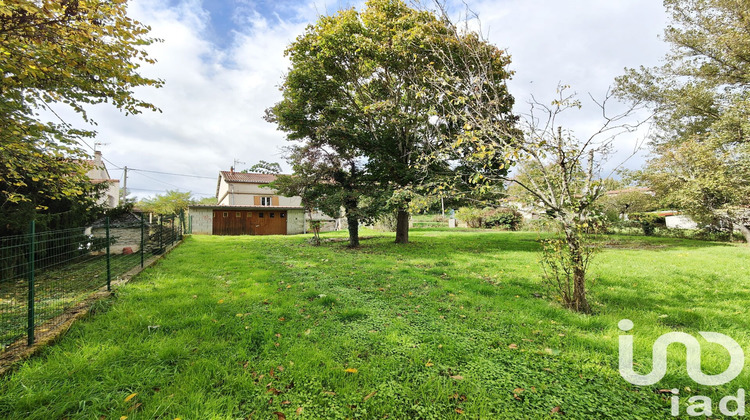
[(98, 174), (246, 205)]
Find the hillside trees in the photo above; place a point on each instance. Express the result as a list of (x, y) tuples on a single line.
[(700, 96), (58, 53), (360, 82)]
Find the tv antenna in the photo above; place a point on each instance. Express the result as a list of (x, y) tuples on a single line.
[(99, 144), (234, 165)]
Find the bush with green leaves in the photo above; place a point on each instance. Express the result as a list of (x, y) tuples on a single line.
[(503, 218), (472, 216), (649, 222)]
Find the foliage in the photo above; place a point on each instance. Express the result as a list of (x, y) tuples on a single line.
[(386, 222), (360, 84), (648, 222), (472, 216), (702, 106), (503, 218), (207, 201), (315, 226), (51, 214), (556, 172), (478, 320), (625, 202), (263, 167), (563, 262), (173, 202), (489, 217), (73, 53), (328, 180)]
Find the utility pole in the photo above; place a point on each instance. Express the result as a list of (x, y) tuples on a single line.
[(125, 183)]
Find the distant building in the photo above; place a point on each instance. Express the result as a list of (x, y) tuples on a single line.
[(98, 174), (247, 206)]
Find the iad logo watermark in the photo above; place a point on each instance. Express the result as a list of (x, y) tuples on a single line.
[(698, 405)]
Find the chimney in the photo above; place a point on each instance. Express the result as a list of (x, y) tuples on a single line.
[(231, 170), (97, 158)]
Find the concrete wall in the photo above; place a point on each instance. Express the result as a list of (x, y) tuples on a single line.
[(295, 222), (123, 237), (202, 221), (242, 194)]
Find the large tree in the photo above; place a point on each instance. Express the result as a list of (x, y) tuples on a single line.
[(329, 181), (360, 81), (54, 54), (701, 152)]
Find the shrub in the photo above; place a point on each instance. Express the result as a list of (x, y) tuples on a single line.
[(648, 222), (471, 215), (386, 222), (503, 218)]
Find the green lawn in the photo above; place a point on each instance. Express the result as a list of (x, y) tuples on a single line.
[(454, 325)]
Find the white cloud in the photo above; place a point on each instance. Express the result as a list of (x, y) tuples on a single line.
[(212, 102)]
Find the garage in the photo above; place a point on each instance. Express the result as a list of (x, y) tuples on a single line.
[(245, 220), (249, 222)]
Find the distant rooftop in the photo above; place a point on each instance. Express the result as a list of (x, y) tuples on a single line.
[(248, 178)]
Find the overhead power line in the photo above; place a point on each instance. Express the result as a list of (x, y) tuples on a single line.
[(171, 173)]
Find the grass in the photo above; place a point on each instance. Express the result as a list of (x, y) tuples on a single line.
[(454, 325), (56, 289)]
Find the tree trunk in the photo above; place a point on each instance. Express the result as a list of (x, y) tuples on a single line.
[(745, 231), (402, 227), (579, 302), (353, 223)]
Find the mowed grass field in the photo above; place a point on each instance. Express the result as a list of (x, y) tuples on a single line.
[(456, 324)]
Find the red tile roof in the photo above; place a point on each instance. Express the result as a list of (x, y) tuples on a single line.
[(248, 178)]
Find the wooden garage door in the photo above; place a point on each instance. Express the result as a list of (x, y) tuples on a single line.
[(272, 222), (232, 222), (249, 222)]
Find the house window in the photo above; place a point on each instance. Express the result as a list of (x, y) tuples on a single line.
[(282, 215), (226, 214), (260, 214), (238, 214), (273, 215), (265, 201), (249, 214)]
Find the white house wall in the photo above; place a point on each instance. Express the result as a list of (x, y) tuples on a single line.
[(241, 194)]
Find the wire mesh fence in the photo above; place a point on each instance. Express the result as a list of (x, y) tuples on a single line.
[(44, 274)]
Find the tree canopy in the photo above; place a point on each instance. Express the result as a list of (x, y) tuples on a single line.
[(172, 202), (700, 96), (361, 84), (54, 54)]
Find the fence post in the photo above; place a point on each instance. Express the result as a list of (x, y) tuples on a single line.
[(161, 233), (142, 229), (32, 256), (109, 272)]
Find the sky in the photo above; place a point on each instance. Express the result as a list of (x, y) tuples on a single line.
[(222, 62)]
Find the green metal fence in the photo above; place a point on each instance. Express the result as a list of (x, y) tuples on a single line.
[(45, 274)]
